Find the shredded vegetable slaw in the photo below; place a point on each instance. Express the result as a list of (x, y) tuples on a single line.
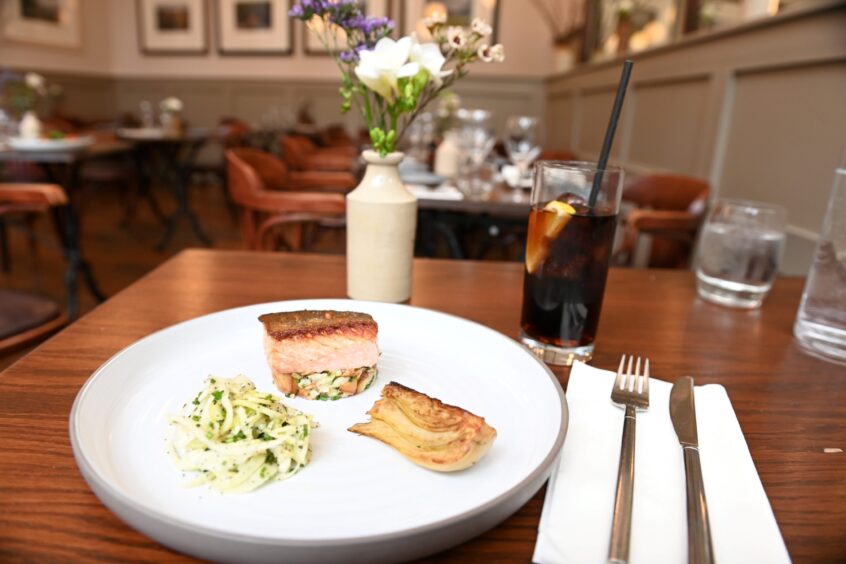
[(238, 438)]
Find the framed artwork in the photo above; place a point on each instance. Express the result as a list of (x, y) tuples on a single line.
[(45, 22), (254, 27), (172, 27), (376, 8), (458, 12)]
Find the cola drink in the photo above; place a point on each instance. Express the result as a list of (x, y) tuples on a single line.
[(566, 270)]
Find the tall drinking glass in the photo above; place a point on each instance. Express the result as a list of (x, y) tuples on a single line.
[(521, 142), (740, 252), (568, 250), (821, 324)]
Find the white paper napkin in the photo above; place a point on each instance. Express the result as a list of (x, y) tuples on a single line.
[(575, 523), (442, 192)]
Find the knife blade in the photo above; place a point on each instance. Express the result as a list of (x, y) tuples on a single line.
[(683, 416), (683, 412)]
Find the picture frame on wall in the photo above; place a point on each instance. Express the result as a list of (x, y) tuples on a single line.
[(375, 8), (54, 23), (458, 12), (254, 27), (172, 27)]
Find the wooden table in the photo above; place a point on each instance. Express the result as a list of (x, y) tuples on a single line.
[(62, 167), (791, 406)]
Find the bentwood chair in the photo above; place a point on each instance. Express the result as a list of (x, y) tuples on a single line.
[(668, 208), (26, 317), (301, 154), (271, 208)]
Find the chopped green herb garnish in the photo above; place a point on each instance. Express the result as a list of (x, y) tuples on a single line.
[(270, 458), (218, 394)]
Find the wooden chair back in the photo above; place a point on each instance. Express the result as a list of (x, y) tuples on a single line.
[(668, 192), (295, 150), (670, 209), (263, 209), (26, 318)]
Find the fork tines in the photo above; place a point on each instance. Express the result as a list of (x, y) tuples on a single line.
[(631, 385)]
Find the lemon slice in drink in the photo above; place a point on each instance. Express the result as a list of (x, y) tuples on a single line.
[(544, 227)]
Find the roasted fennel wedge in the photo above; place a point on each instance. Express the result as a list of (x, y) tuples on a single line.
[(427, 431)]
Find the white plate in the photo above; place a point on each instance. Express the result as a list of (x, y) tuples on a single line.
[(357, 499), (72, 143)]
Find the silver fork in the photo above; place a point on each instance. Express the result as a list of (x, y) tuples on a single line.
[(631, 389)]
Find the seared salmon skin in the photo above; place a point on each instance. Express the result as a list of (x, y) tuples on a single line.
[(323, 355)]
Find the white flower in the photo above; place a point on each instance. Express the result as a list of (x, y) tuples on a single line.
[(437, 18), (485, 53), (171, 104), (481, 27), (456, 38), (34, 81), (428, 56), (380, 68), (498, 53)]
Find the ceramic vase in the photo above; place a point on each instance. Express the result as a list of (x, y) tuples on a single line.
[(30, 126), (381, 223), (448, 156)]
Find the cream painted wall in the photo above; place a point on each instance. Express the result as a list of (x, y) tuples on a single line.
[(110, 47), (92, 57), (521, 30)]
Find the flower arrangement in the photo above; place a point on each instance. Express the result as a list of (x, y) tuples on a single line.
[(23, 93), (170, 105), (391, 81)]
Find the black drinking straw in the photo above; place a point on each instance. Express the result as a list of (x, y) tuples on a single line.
[(609, 133)]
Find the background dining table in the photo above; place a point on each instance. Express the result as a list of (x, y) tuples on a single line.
[(62, 167), (791, 407)]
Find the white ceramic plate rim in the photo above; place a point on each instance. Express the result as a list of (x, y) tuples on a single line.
[(24, 144), (92, 473)]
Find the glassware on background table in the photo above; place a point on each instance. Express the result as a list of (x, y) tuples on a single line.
[(475, 140), (147, 114), (821, 324), (421, 136), (522, 142), (568, 250), (740, 252)]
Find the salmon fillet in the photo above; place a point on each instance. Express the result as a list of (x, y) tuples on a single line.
[(321, 354)]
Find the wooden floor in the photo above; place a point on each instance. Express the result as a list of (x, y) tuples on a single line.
[(120, 254)]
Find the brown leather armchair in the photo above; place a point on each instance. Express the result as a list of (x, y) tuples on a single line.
[(25, 317), (669, 208), (276, 175), (336, 135), (269, 203), (301, 154)]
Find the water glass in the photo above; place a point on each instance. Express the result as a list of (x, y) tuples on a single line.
[(475, 141), (740, 252), (521, 141), (820, 326), (568, 249)]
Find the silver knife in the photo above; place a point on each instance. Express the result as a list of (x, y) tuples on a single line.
[(683, 414)]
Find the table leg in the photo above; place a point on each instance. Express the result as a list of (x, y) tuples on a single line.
[(180, 172), (68, 227), (142, 161), (442, 225)]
